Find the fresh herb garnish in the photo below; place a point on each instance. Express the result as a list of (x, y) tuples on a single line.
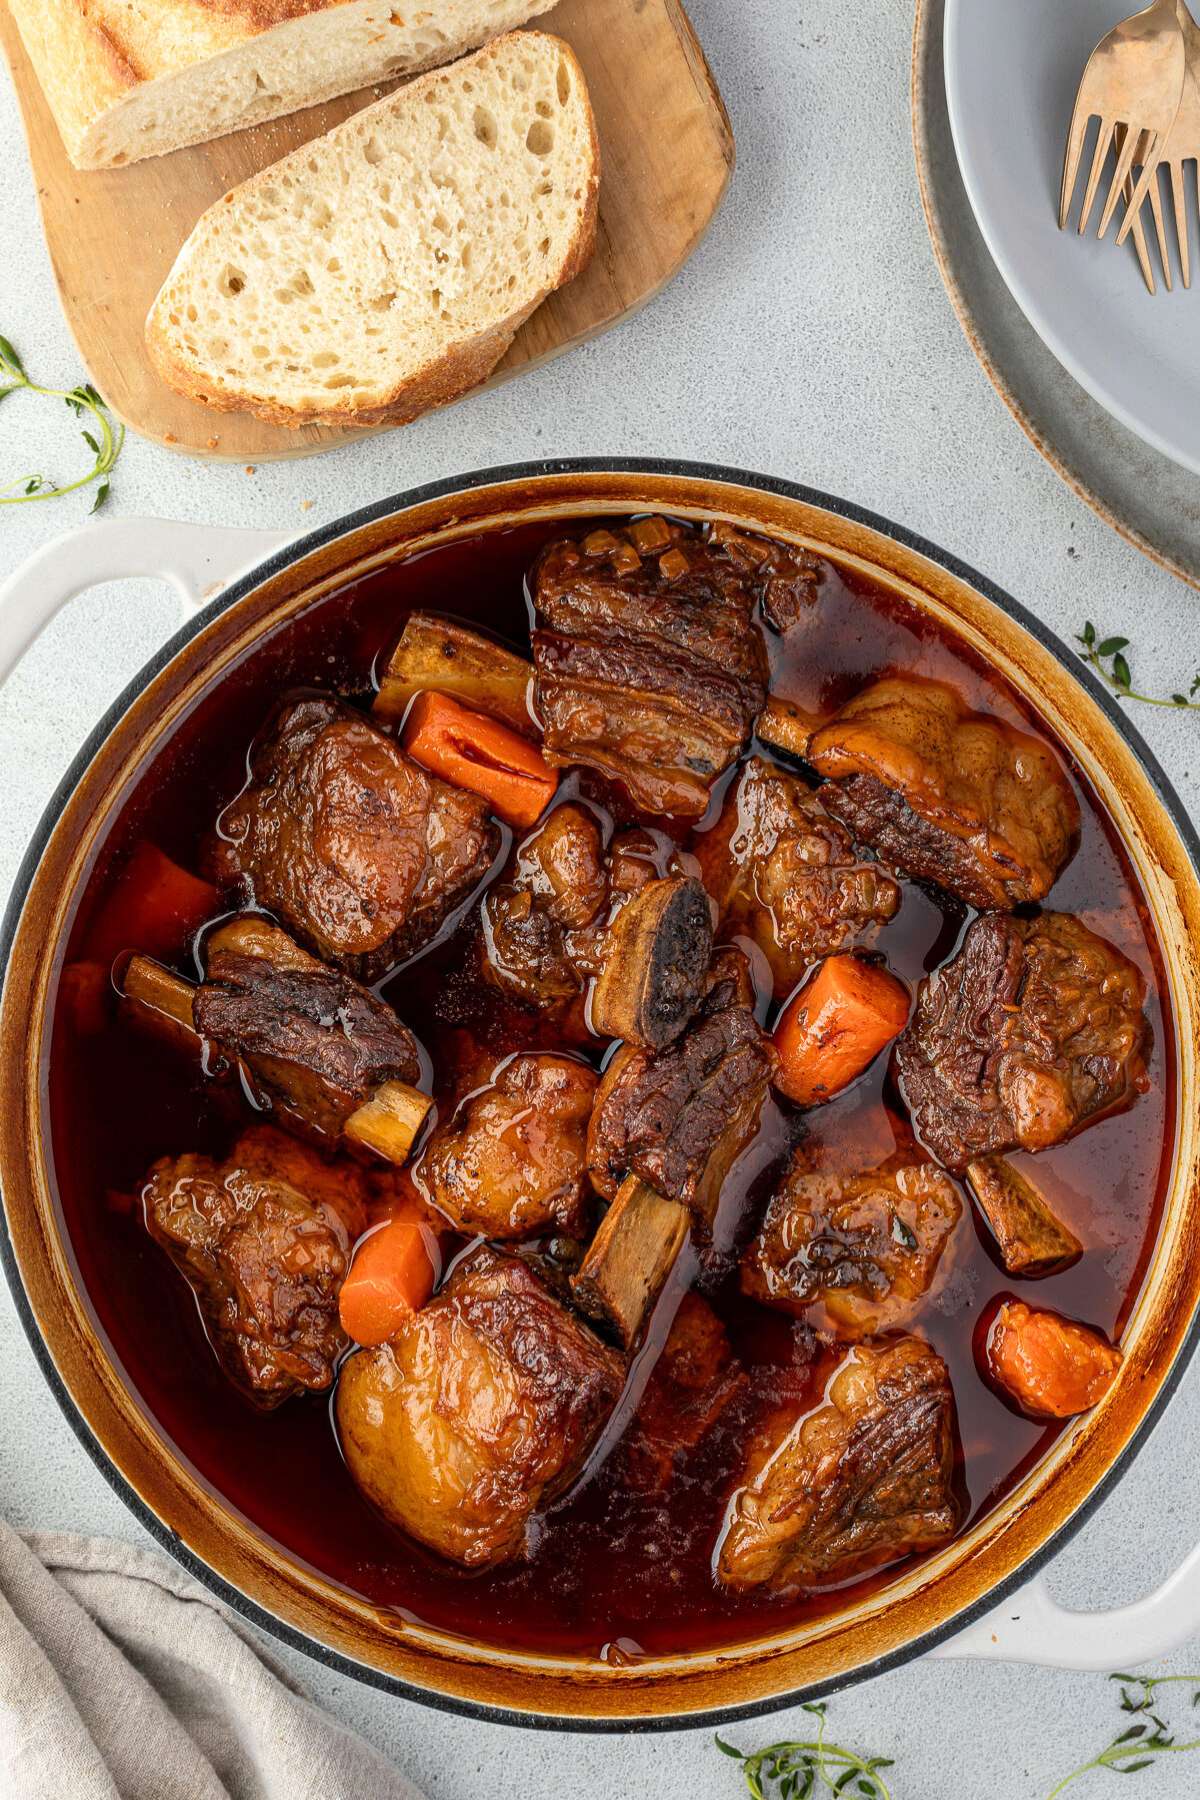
[(791, 1771), (1111, 651), (104, 440), (903, 1234), (804, 1771), (1138, 1745)]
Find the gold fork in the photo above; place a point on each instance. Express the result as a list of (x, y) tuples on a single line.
[(1132, 84), (1139, 233), (1181, 144)]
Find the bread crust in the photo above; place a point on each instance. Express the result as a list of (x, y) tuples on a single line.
[(447, 377), (93, 69), (82, 71), (261, 15)]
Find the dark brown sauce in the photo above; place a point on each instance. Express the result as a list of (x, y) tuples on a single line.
[(611, 1572)]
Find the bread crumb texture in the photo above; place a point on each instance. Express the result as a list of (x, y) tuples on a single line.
[(385, 267)]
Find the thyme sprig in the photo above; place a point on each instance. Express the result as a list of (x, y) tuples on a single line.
[(1140, 1744), (799, 1770), (1110, 651), (104, 440), (792, 1770)]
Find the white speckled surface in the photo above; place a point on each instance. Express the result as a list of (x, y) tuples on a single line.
[(810, 337)]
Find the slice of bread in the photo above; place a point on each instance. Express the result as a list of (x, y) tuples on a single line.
[(132, 78), (384, 268)]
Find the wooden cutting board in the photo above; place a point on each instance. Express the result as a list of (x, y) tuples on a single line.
[(113, 234)]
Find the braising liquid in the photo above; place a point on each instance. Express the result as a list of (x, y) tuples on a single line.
[(612, 1572)]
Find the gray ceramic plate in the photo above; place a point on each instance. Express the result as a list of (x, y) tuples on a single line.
[(1011, 74), (1143, 494)]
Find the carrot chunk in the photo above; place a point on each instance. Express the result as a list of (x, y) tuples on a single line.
[(476, 752), (833, 1026), (394, 1271), (154, 906), (1052, 1367)]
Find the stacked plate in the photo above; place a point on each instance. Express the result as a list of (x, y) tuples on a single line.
[(1105, 377)]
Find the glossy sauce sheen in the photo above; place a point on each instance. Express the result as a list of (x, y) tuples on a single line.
[(612, 1573)]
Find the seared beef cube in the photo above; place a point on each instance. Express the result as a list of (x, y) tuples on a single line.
[(649, 664), (478, 1412), (511, 1160), (786, 873), (311, 1033), (1031, 1031), (857, 1482), (865, 1247), (946, 794), (264, 1239), (679, 1117), (695, 1378), (568, 916), (558, 888), (357, 850)]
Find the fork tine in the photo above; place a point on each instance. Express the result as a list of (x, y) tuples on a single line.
[(1181, 224), (1127, 143), (1099, 154), (1143, 256), (1124, 133), (1149, 171), (1160, 228), (1075, 137)]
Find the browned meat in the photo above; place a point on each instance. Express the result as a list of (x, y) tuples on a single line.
[(946, 794), (648, 663), (866, 1248), (1031, 1031), (786, 576), (358, 851), (786, 873), (264, 1239), (478, 1412), (533, 922), (511, 1161), (635, 923), (678, 1118), (695, 1378), (269, 1001), (860, 1481)]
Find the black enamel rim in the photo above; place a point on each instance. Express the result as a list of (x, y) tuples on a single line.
[(230, 596)]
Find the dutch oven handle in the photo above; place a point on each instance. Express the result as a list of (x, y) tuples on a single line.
[(198, 560), (1032, 1627)]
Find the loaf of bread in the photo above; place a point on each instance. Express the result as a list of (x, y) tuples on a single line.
[(132, 78), (385, 268)]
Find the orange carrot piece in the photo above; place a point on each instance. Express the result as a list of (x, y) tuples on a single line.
[(833, 1026), (474, 751), (1050, 1366), (154, 906), (394, 1271)]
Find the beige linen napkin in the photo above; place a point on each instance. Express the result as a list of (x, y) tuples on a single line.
[(121, 1678)]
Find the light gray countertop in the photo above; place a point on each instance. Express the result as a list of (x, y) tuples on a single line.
[(810, 338)]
